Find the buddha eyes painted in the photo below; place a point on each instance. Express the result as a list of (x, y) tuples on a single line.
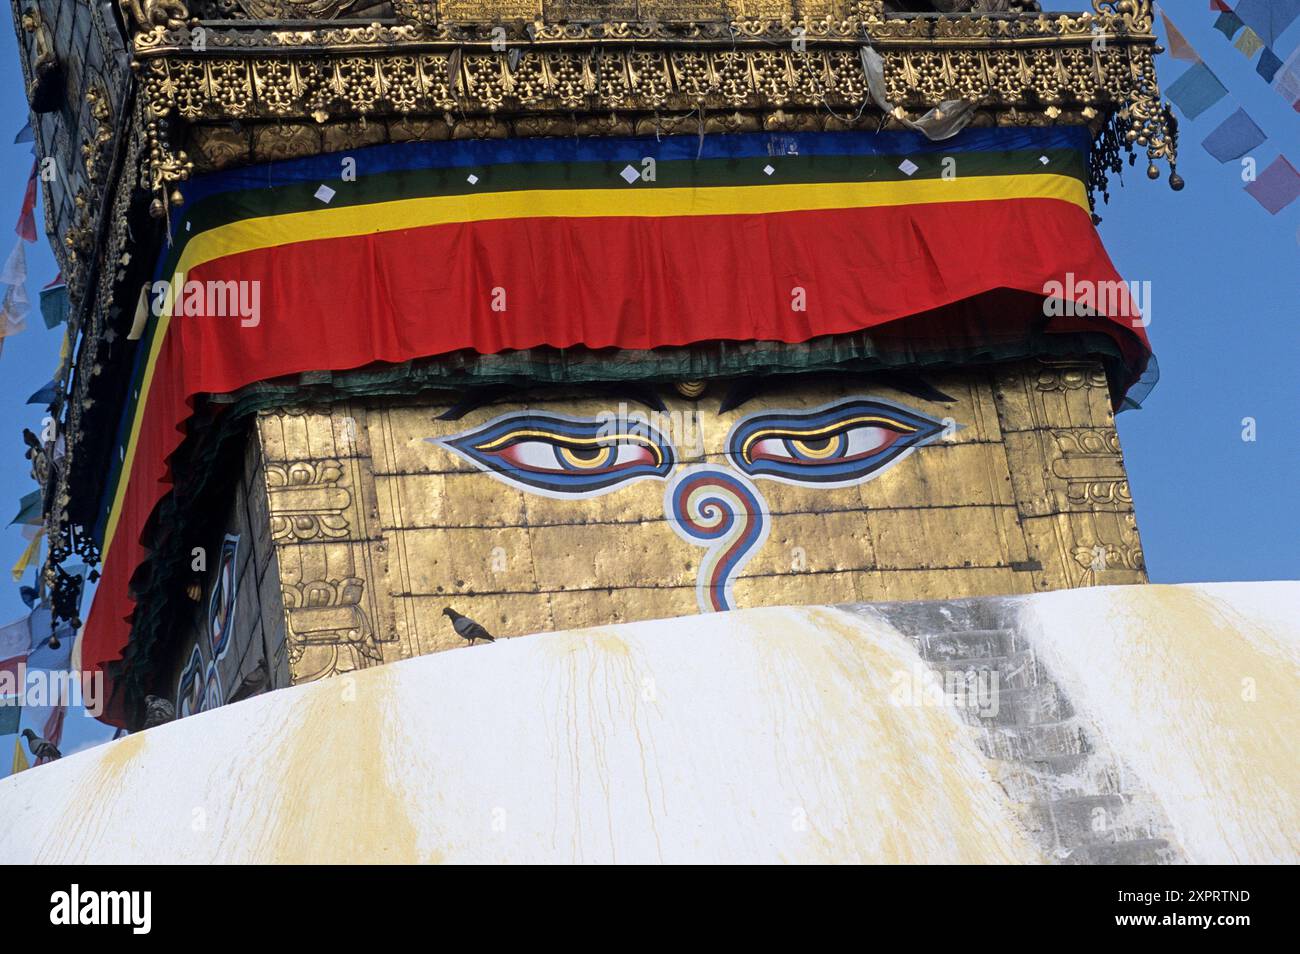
[(831, 446), (715, 506), (835, 445), (562, 456)]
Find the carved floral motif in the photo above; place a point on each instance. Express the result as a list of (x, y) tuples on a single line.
[(329, 632), (306, 501), (1029, 65)]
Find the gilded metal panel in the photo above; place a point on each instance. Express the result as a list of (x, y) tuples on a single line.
[(1067, 472), (378, 527)]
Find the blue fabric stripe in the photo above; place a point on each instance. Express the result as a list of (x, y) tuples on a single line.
[(377, 160)]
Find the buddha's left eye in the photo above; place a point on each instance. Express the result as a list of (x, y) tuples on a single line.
[(835, 445), (561, 456)]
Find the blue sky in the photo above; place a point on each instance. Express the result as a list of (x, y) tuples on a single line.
[(1225, 278), (1226, 329), (29, 358)]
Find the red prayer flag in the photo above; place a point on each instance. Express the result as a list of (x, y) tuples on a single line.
[(1277, 186), (53, 730), (1179, 48), (26, 227)]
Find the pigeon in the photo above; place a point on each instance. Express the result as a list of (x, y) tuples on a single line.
[(252, 684), (157, 711), (465, 627), (43, 749)]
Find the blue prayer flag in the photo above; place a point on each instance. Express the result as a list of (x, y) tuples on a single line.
[(46, 395), (1268, 18), (1196, 90), (1236, 136), (1228, 23), (1268, 64)]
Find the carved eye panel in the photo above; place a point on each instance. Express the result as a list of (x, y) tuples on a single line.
[(191, 689), (560, 456), (831, 446)]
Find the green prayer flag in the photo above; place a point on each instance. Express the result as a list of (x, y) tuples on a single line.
[(1196, 90), (10, 715), (54, 305), (29, 510)]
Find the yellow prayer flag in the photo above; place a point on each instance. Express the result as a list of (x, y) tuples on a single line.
[(65, 350), (20, 757), (28, 555), (1249, 42)]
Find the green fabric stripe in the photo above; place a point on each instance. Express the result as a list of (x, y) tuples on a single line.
[(232, 206)]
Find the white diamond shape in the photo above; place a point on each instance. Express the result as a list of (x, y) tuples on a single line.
[(1044, 160), (472, 179), (768, 170), (630, 173), (908, 167), (325, 193)]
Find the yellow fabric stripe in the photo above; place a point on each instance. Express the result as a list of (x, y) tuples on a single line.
[(326, 223), (291, 228), (137, 420)]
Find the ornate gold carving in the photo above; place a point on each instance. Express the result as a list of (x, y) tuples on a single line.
[(295, 9), (986, 6), (94, 147), (168, 165), (1092, 468), (148, 14), (34, 24), (286, 141), (220, 88), (1097, 557), (578, 10), (408, 129), (1067, 473), (216, 147), (328, 631), (501, 10), (339, 136), (306, 501), (1071, 377), (740, 74), (1136, 14)]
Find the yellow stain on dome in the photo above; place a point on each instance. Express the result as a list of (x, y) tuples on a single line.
[(336, 794), (87, 815), (1200, 700), (757, 735), (916, 789)]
